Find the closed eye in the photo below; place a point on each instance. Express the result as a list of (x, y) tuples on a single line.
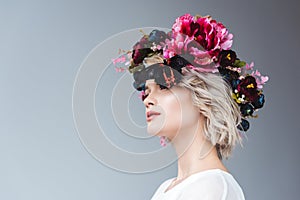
[(162, 87), (144, 96)]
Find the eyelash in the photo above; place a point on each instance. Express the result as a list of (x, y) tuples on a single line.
[(161, 87)]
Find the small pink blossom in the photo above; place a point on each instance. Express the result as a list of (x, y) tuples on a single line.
[(127, 63), (264, 79), (163, 141), (249, 67), (121, 59), (156, 47), (256, 73), (260, 80), (119, 69), (141, 94)]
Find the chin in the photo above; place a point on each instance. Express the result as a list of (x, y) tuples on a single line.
[(154, 131), (156, 126), (159, 131)]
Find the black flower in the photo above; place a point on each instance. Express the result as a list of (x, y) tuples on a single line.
[(157, 36), (227, 58), (230, 76), (177, 62), (248, 87), (244, 125), (246, 109), (259, 101)]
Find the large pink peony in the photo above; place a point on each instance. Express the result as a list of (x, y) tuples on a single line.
[(201, 37)]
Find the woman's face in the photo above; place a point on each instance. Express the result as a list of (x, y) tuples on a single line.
[(174, 110)]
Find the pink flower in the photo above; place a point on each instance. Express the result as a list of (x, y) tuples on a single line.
[(156, 47), (264, 79), (178, 44), (163, 141), (141, 94), (119, 69), (213, 36), (121, 59), (200, 37), (202, 57), (260, 80), (249, 67), (182, 24)]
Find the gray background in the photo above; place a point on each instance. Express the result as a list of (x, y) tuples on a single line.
[(43, 43)]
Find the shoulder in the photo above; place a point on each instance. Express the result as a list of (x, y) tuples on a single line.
[(165, 183), (210, 186), (213, 185), (163, 186)]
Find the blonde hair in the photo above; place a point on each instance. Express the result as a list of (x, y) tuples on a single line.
[(212, 95)]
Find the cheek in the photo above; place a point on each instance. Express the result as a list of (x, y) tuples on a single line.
[(169, 120), (180, 112), (174, 112), (173, 115)]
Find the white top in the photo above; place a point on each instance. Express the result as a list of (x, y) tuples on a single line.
[(212, 184)]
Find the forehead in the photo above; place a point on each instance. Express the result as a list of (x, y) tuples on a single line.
[(150, 83)]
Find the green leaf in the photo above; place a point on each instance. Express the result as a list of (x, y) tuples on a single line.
[(238, 63), (241, 64)]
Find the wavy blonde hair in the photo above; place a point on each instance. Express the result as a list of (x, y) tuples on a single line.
[(212, 95)]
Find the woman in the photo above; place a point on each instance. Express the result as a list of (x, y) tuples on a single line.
[(198, 96), (189, 115)]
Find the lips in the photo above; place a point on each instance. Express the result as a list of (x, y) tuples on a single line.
[(151, 114)]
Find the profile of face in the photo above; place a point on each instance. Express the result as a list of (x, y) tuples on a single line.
[(169, 111)]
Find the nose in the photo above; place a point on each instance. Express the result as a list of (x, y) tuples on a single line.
[(150, 101)]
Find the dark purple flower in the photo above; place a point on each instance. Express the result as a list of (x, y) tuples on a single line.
[(141, 50), (138, 55), (226, 58), (248, 87)]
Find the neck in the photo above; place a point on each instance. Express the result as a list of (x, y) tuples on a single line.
[(195, 153)]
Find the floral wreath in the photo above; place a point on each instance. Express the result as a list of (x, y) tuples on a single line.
[(204, 45)]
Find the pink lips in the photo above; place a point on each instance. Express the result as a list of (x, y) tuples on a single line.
[(150, 115)]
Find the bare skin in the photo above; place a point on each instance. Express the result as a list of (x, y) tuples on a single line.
[(183, 126)]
